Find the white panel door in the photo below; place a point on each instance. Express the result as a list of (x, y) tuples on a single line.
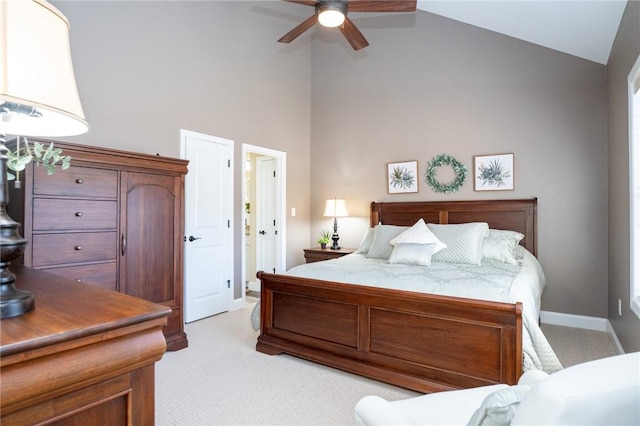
[(266, 215), (208, 256)]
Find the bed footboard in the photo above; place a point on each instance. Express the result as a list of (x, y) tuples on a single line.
[(423, 342)]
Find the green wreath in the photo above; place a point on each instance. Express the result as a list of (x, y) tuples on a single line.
[(445, 160)]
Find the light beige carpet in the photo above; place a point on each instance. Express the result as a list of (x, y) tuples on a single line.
[(220, 379), (575, 345)]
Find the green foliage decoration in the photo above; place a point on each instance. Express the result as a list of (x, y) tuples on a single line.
[(325, 237), (445, 160), (48, 157)]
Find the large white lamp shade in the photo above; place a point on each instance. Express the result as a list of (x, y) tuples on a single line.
[(36, 71)]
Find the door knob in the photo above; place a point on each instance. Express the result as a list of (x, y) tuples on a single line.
[(263, 232), (192, 238)]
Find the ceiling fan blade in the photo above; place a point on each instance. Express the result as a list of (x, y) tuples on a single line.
[(353, 35), (382, 5), (304, 2), (296, 31)]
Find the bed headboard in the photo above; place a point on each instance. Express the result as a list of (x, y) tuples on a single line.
[(514, 215)]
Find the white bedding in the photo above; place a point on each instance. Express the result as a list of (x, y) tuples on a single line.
[(493, 281)]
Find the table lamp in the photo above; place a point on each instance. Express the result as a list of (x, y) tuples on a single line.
[(335, 208), (38, 97)]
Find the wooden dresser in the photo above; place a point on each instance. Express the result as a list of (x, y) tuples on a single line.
[(114, 219), (83, 356)]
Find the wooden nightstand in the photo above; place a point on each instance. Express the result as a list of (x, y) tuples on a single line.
[(317, 254)]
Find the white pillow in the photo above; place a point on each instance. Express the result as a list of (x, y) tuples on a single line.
[(412, 254), (419, 233), (464, 242), (365, 244), (501, 246), (381, 247), (499, 407)]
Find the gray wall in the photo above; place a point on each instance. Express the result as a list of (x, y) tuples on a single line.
[(147, 69), (440, 86), (624, 54), (426, 85)]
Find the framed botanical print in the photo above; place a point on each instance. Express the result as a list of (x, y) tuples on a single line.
[(402, 177), (493, 172)]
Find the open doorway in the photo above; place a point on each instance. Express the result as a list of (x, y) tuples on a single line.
[(264, 206)]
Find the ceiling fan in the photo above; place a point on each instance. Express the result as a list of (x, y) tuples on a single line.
[(333, 13)]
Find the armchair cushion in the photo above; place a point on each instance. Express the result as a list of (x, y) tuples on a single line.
[(498, 408), (441, 408), (532, 376), (373, 410), (601, 392)]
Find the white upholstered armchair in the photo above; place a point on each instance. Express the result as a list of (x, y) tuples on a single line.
[(601, 392)]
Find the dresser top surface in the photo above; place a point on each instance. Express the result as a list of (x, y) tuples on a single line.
[(67, 310)]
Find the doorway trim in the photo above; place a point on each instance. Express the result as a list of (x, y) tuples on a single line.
[(281, 203)]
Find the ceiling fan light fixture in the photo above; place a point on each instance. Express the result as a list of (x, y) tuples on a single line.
[(331, 14)]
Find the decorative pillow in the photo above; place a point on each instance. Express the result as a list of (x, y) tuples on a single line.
[(365, 244), (419, 233), (381, 247), (501, 246), (464, 242), (412, 254), (499, 407)]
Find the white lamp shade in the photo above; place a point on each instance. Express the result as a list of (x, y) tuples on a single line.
[(36, 70), (336, 208)]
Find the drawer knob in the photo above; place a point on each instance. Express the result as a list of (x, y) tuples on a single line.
[(79, 181), (78, 248), (78, 214)]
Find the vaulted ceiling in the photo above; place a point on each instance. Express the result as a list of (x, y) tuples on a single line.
[(583, 28)]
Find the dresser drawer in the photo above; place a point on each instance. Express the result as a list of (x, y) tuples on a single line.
[(100, 274), (57, 214), (57, 249), (76, 181)]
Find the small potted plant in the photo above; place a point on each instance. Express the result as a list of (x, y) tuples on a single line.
[(325, 237)]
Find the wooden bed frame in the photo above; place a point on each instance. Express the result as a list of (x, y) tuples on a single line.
[(423, 342)]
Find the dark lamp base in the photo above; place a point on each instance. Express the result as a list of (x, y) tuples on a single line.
[(335, 239), (15, 302)]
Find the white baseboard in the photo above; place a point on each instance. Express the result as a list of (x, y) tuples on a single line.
[(237, 304), (254, 286), (577, 321), (582, 321), (614, 337)]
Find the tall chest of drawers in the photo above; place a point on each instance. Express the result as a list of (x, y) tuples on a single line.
[(73, 224), (113, 219)]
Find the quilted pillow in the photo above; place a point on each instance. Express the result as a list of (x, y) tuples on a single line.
[(464, 242), (419, 233), (501, 246), (365, 244), (381, 247), (412, 254), (499, 407)]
